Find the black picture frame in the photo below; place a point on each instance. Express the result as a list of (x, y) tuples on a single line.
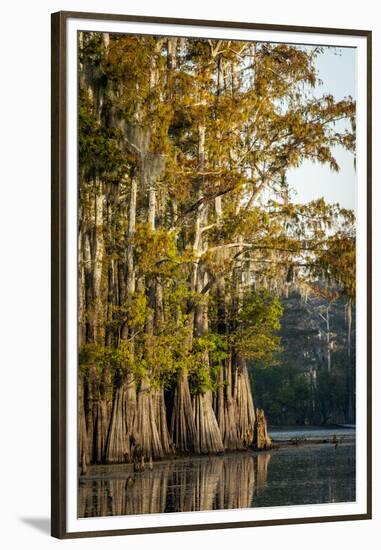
[(59, 265)]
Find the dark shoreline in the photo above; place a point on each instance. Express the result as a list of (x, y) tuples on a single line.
[(101, 470)]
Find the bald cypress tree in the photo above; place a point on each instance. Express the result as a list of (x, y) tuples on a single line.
[(188, 234)]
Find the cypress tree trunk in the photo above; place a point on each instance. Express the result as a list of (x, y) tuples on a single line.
[(146, 433), (97, 406), (130, 287), (101, 423), (183, 428), (82, 431), (150, 426), (209, 434), (219, 404), (120, 434), (161, 415), (118, 448), (262, 440), (162, 426), (206, 424), (226, 405), (83, 453), (231, 439), (245, 412)]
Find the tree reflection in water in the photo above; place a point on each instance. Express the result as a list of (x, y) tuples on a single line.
[(197, 484)]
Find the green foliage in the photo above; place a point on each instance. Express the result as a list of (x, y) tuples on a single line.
[(258, 320), (100, 151), (284, 391), (200, 121), (337, 262), (155, 251), (117, 360), (208, 355), (299, 388)]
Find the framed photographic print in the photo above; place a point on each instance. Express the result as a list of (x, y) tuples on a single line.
[(211, 203)]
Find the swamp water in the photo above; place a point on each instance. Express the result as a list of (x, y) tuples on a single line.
[(302, 474)]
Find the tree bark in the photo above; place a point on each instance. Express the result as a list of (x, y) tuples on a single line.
[(183, 428), (262, 440), (120, 435), (245, 412)]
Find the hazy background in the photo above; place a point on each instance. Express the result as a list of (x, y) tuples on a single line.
[(337, 70)]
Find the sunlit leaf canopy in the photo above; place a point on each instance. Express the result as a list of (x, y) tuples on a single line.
[(188, 234)]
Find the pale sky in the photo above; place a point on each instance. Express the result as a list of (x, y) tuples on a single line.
[(337, 70)]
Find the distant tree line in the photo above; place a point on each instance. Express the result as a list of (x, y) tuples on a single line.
[(313, 381)]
